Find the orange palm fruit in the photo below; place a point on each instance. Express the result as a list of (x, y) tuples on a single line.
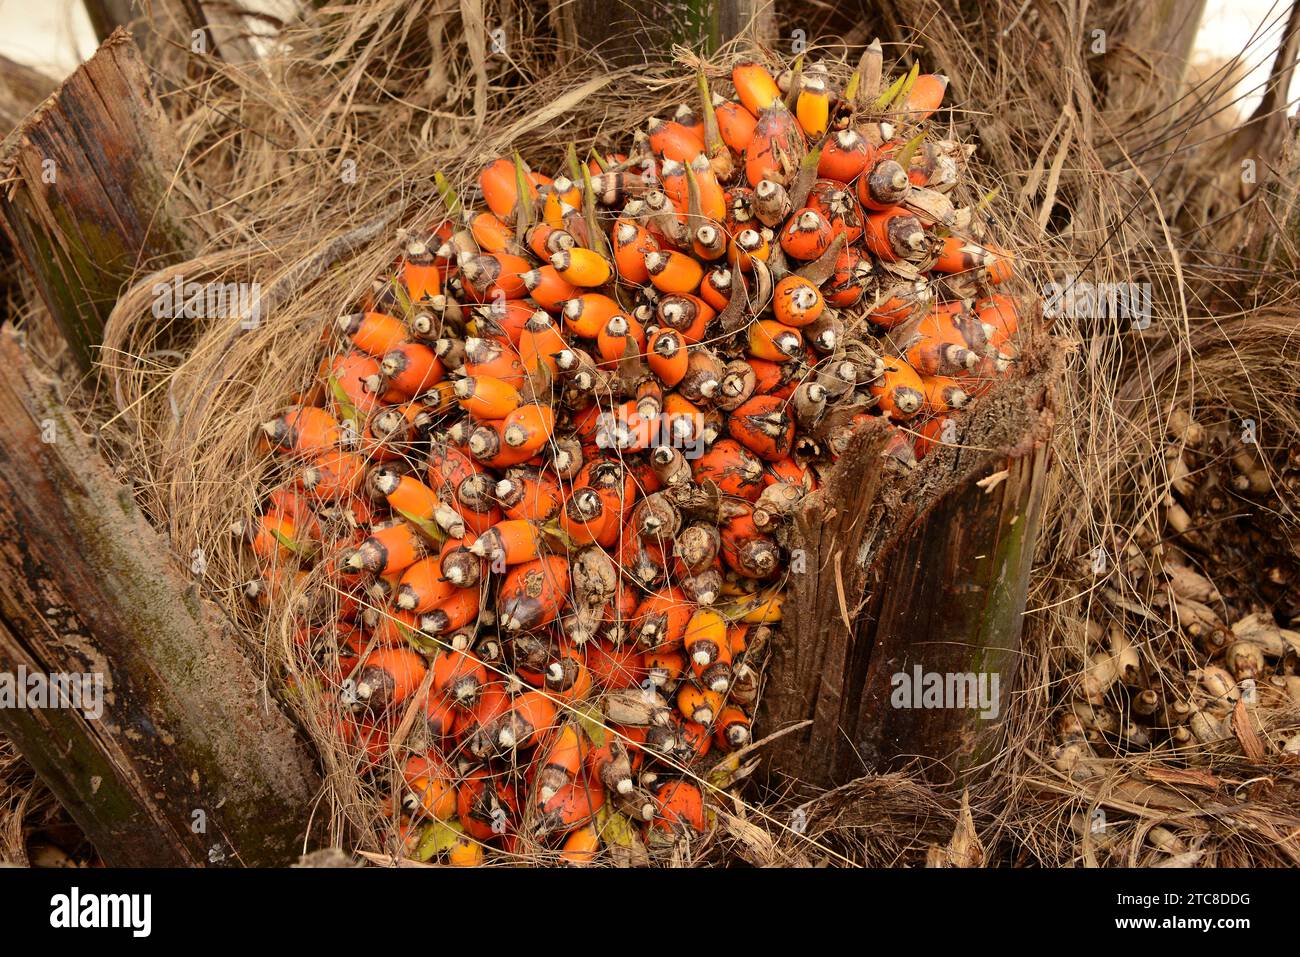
[(561, 195), (698, 704), (737, 638), (458, 564), (303, 430), (411, 498), (509, 542), (731, 728), (708, 650), (528, 428), (560, 760), (388, 548), (493, 357), (581, 847), (671, 271), (900, 303), (548, 288), (531, 715), (682, 419), (792, 472), (572, 807), (665, 666), (387, 677), (500, 188), (448, 467), (797, 301), (666, 356), (673, 141), (544, 239), (712, 197), (475, 503), (585, 517), (960, 256), (452, 613), (672, 180), (392, 629), (389, 432), (709, 242), (486, 397), (777, 148), (529, 494), (621, 336), (999, 317), (541, 343), (900, 390), (748, 552), (893, 234), (273, 536), (852, 274), (487, 444), (925, 96), (755, 86), (734, 469), (489, 276), (422, 586), (735, 124), (938, 429), (431, 788), (632, 242), (839, 207), (372, 332), (487, 804), (587, 314), (614, 666), (491, 233), (883, 184), (503, 317), (420, 275), (774, 341), (625, 429), (412, 367), (751, 244), (844, 156), (813, 107), (533, 594), (458, 678), (332, 474), (438, 720), (351, 373), (943, 394), (687, 314), (716, 287), (764, 424), (660, 619), (932, 355), (582, 267), (1000, 268)]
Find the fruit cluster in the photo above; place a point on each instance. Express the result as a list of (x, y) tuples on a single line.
[(548, 469)]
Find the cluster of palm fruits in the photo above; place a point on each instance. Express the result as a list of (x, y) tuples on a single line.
[(547, 471)]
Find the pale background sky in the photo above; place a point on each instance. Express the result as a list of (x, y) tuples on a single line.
[(56, 35)]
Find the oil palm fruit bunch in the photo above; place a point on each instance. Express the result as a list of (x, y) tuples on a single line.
[(545, 478)]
